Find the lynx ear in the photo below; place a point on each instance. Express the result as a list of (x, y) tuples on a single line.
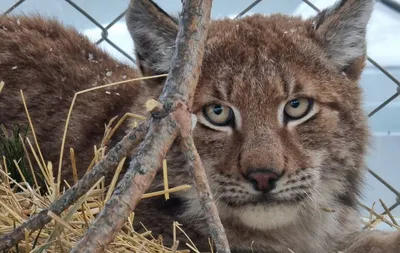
[(154, 33), (342, 31)]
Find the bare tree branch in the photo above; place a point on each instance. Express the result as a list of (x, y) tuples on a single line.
[(168, 122), (216, 229), (111, 160)]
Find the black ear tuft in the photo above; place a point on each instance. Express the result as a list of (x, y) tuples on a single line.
[(154, 33)]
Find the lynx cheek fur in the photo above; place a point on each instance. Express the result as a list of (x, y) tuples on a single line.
[(281, 131)]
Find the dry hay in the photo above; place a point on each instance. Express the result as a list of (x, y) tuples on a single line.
[(21, 199)]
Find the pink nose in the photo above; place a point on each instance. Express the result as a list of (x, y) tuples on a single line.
[(263, 179)]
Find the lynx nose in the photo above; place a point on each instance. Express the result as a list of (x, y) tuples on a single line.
[(263, 179)]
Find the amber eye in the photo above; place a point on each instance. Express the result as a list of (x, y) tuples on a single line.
[(298, 108), (218, 115)]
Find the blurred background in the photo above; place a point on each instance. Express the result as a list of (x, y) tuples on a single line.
[(104, 23)]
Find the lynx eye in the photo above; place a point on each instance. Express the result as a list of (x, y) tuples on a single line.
[(218, 115), (298, 108)]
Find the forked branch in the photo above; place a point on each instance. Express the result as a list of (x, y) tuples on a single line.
[(173, 119)]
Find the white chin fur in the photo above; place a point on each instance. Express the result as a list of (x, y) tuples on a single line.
[(267, 217)]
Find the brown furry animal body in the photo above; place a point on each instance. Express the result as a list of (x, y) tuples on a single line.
[(50, 63), (280, 129)]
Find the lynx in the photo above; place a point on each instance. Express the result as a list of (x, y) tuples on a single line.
[(281, 130)]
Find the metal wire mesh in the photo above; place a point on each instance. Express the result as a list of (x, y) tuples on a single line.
[(253, 6)]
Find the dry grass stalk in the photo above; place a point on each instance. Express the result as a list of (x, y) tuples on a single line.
[(29, 162), (32, 129), (165, 176), (1, 85), (110, 132), (73, 165), (5, 169), (388, 212), (166, 191), (375, 218)]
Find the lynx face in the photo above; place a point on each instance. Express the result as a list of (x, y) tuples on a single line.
[(280, 129), (280, 126)]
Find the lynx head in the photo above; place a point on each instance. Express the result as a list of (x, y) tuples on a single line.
[(281, 130)]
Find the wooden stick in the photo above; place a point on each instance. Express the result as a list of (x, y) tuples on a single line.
[(210, 210), (170, 120)]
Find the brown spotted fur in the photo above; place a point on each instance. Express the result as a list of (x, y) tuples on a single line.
[(253, 64)]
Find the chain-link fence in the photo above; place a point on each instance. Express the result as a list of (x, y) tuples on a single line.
[(389, 80)]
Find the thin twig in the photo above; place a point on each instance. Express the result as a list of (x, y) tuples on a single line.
[(206, 199)]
